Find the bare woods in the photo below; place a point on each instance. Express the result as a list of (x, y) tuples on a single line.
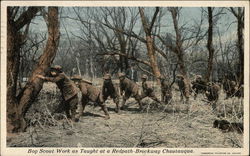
[(135, 40)]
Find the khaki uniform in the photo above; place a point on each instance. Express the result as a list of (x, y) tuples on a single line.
[(148, 92), (183, 90), (109, 90), (212, 94), (131, 89), (91, 93), (69, 93), (166, 91), (199, 86), (230, 87)]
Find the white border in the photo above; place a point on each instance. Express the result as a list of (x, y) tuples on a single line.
[(23, 151)]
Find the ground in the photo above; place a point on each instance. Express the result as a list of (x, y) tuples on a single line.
[(156, 126)]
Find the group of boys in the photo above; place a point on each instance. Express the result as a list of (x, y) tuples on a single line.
[(74, 87), (71, 87)]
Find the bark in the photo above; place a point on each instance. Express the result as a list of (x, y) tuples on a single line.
[(123, 64), (34, 84), (78, 66), (210, 45), (119, 22), (15, 40), (91, 68), (179, 50), (240, 43), (152, 56), (149, 41)]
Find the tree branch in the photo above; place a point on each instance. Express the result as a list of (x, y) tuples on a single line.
[(26, 17), (154, 18), (144, 70), (129, 57)]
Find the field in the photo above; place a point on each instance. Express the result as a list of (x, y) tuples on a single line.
[(157, 126)]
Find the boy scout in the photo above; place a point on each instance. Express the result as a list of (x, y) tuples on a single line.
[(212, 93), (198, 85), (181, 82), (109, 90), (147, 91), (166, 90), (68, 89), (90, 93), (130, 88)]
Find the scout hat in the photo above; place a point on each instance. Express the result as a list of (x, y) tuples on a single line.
[(179, 76), (76, 77), (57, 68), (198, 76), (121, 75), (144, 76), (107, 77)]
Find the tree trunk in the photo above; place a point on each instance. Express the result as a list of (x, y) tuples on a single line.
[(78, 66), (123, 45), (15, 41), (183, 72), (152, 56), (34, 85), (149, 41), (210, 45), (91, 68), (179, 50), (123, 51), (240, 44), (13, 59), (120, 64)]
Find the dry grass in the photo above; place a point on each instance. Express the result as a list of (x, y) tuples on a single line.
[(156, 126)]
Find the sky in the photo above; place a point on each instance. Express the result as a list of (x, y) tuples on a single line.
[(188, 15)]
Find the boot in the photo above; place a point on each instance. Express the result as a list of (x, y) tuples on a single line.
[(74, 116), (75, 119), (117, 110), (105, 110), (67, 114), (140, 105), (123, 104)]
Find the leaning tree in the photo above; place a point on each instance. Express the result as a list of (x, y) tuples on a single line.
[(17, 106)]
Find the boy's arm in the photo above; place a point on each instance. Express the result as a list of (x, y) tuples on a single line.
[(51, 79)]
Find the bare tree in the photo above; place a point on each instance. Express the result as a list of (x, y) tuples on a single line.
[(228, 55), (117, 19), (118, 16), (210, 44), (239, 14), (148, 26), (178, 48), (34, 84), (213, 17), (17, 19), (29, 55), (104, 29)]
